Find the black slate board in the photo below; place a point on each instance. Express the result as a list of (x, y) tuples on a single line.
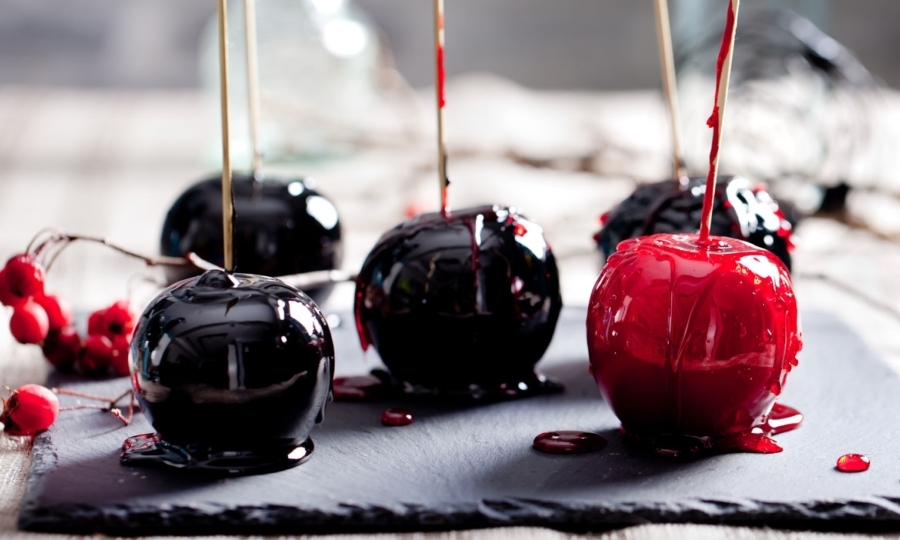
[(474, 467)]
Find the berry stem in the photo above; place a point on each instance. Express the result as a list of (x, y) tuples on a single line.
[(81, 406), (75, 393), (127, 418), (64, 239), (319, 278)]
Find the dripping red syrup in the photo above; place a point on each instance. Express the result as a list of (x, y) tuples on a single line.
[(716, 125), (691, 337), (852, 463), (439, 62), (568, 442), (396, 418)]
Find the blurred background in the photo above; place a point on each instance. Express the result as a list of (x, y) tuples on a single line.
[(562, 44)]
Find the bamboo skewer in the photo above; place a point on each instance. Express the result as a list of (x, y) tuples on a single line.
[(227, 190), (439, 94), (717, 120), (253, 83), (670, 88)]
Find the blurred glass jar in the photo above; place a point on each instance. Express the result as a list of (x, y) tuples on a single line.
[(797, 115), (327, 81)]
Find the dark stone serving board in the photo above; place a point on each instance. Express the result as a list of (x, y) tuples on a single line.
[(470, 467)]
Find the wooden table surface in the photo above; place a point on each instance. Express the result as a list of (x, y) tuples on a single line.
[(109, 163)]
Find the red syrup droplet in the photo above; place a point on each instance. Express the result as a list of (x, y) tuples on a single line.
[(851, 463), (361, 388), (568, 442), (396, 417)]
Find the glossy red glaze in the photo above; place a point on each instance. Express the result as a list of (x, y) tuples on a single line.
[(853, 463), (568, 442), (396, 417), (691, 339)]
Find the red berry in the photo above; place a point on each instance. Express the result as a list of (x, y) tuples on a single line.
[(96, 356), (24, 276), (30, 409), (7, 296), (120, 348), (62, 347), (29, 323), (95, 322), (58, 311), (118, 320)]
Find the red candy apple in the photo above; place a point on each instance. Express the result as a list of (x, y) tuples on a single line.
[(692, 339)]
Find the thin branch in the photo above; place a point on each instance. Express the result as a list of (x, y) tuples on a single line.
[(81, 406), (311, 280), (125, 419), (201, 263)]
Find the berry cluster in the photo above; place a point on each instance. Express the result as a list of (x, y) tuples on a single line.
[(46, 320)]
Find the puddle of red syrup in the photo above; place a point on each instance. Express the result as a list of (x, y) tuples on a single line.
[(396, 417)]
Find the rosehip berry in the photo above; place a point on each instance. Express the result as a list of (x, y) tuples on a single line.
[(30, 409), (29, 323), (120, 348), (62, 347), (95, 322), (24, 276), (7, 296), (58, 311), (96, 356), (118, 320)]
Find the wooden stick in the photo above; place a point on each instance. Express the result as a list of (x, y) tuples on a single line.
[(717, 120), (440, 76), (670, 89), (227, 192), (253, 82)]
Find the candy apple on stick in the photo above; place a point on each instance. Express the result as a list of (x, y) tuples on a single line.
[(283, 226), (460, 302), (691, 336), (742, 210), (233, 370)]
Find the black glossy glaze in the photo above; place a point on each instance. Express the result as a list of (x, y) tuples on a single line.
[(465, 304), (232, 363), (740, 211), (281, 228)]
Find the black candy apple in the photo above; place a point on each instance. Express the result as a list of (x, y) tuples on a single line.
[(281, 228), (233, 371), (739, 211), (463, 304)]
